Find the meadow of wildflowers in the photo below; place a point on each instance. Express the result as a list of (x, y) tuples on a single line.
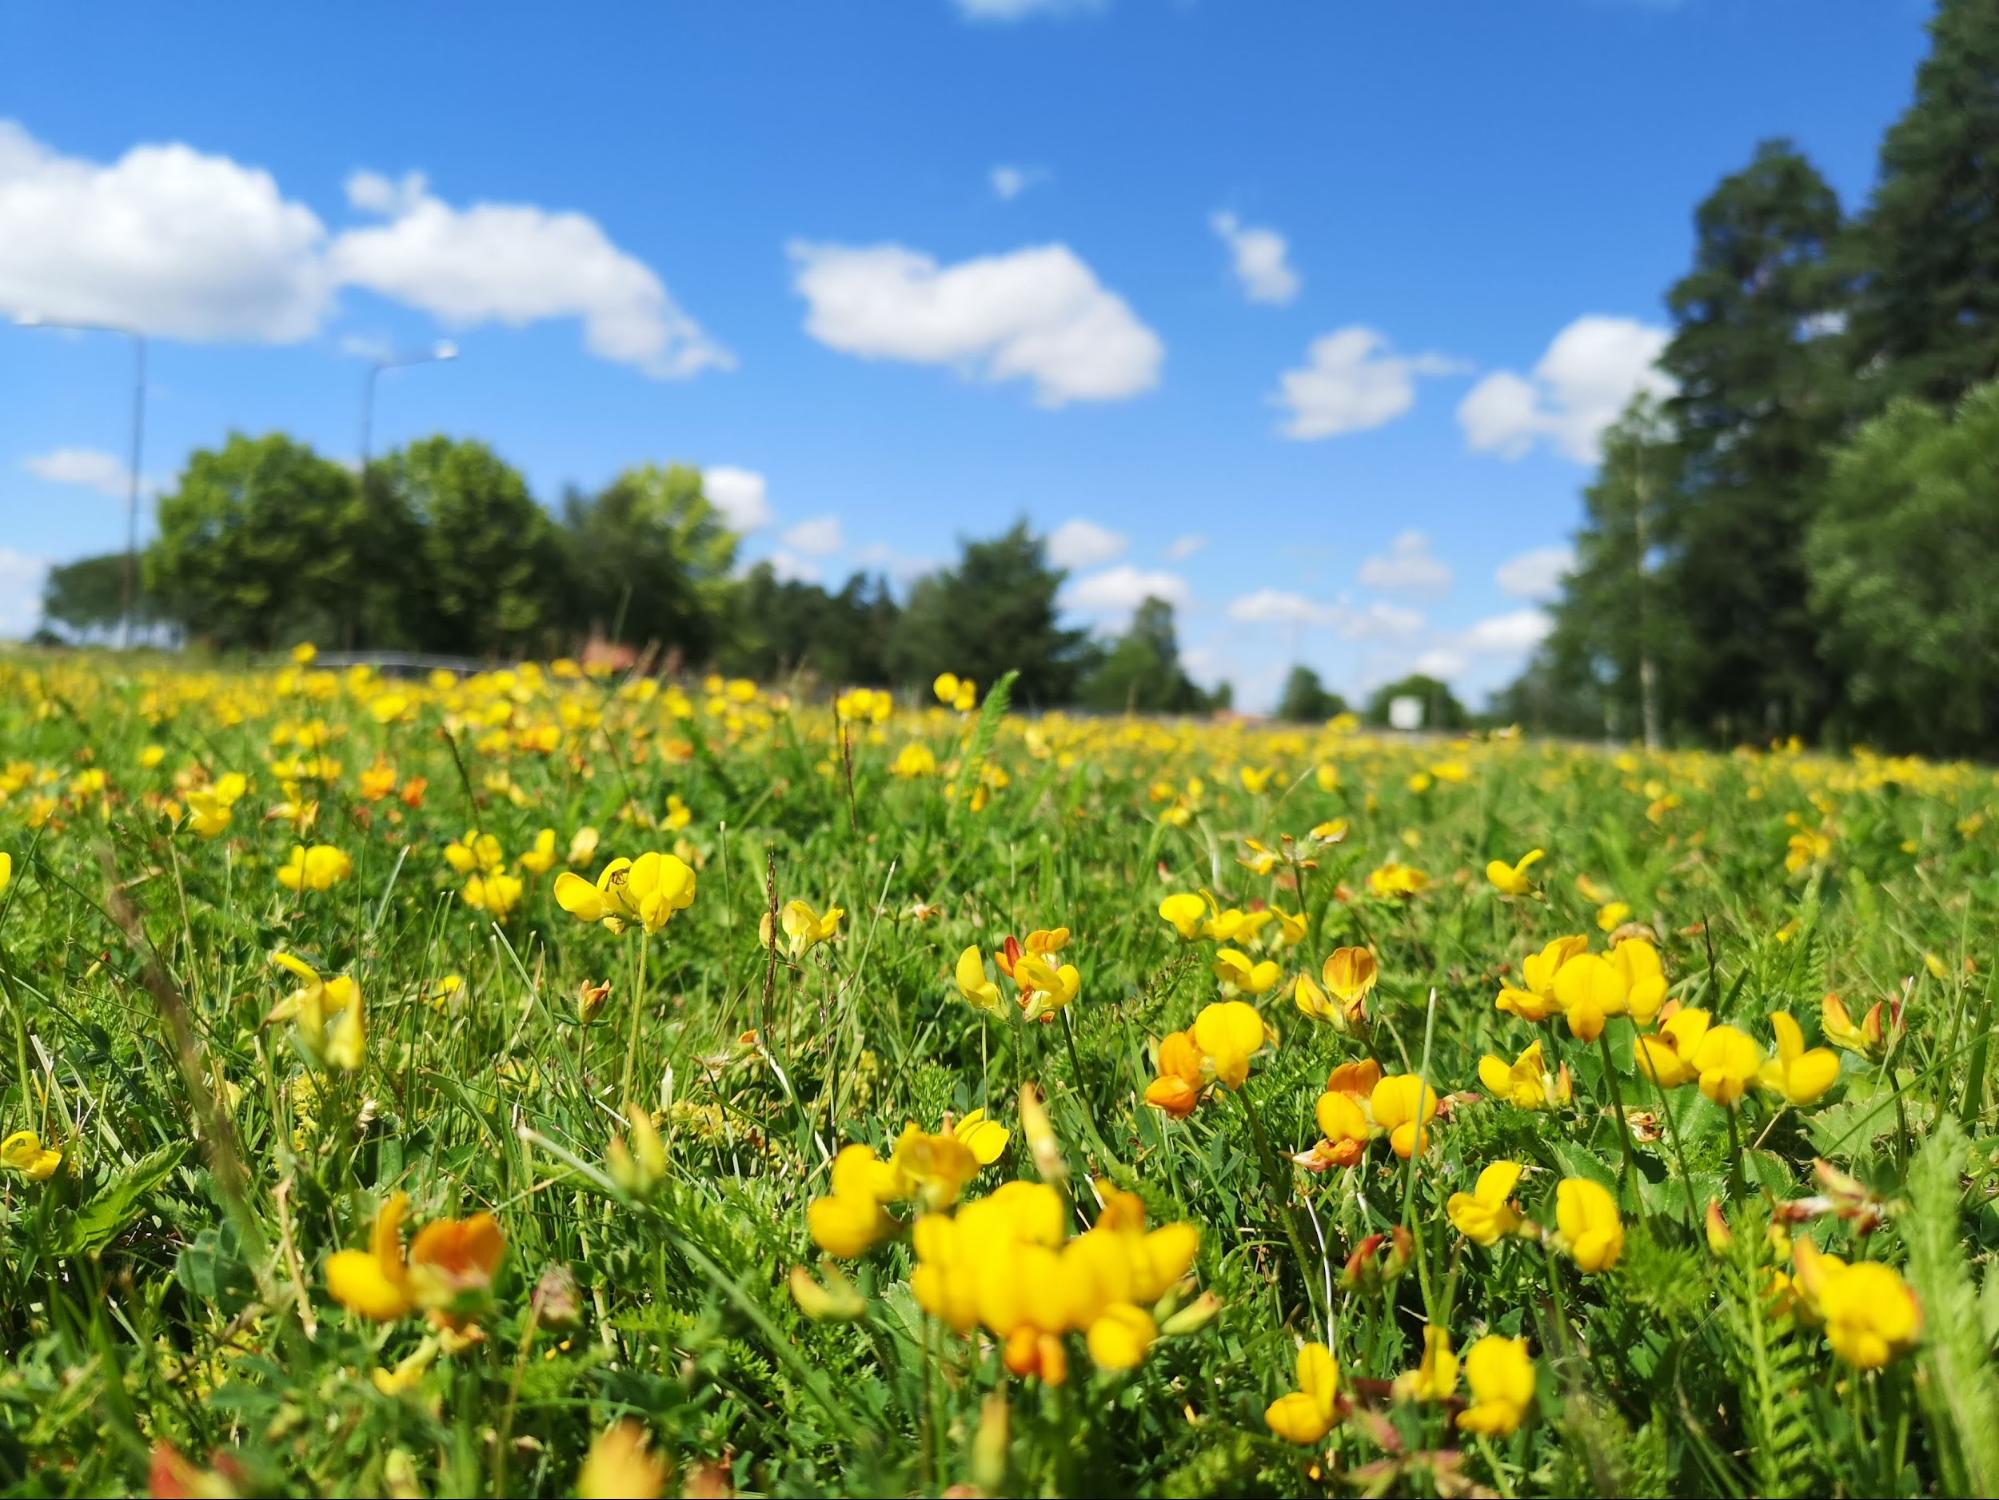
[(551, 1082)]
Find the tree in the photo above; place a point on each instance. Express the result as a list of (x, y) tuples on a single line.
[(651, 560), (1927, 318), (1306, 700), (1756, 407), (1904, 567), (1142, 673), (1441, 710), (993, 612), (88, 595), (263, 540), (788, 625), (488, 558), (1614, 661)]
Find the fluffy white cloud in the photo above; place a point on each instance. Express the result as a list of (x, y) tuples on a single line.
[(1281, 607), (1036, 314), (1257, 255), (1085, 544), (818, 537), (1183, 547), (1009, 181), (1375, 621), (20, 592), (903, 567), (1589, 373), (515, 264), (92, 468), (1351, 382), (1408, 564), (1441, 663), (741, 495), (1512, 634), (166, 239), (1537, 574), (1122, 589)]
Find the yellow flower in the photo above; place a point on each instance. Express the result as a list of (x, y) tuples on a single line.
[(326, 1014), (1500, 1373), (1668, 1057), (1403, 1105), (849, 1221), (1395, 880), (1241, 976), (1229, 1033), (1186, 912), (1538, 1001), (1590, 989), (210, 808), (980, 991), (1256, 778), (1177, 1088), (985, 1139), (495, 893), (6, 868), (1637, 964), (1350, 973), (475, 851), (1727, 1061), (1866, 1038), (1525, 1083), (915, 760), (541, 858), (375, 1282), (1486, 1215), (619, 1466), (803, 927), (835, 1300), (319, 868), (25, 1153), (1436, 1373), (646, 891), (1612, 915), (1870, 1315), (304, 653), (1801, 1077), (1513, 879), (1306, 1415), (1592, 1231), (957, 692)]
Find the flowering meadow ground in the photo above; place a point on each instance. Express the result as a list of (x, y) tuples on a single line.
[(552, 1083)]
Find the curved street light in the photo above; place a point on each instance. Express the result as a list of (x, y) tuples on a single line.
[(440, 352)]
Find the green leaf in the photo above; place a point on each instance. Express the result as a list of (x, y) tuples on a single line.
[(120, 1203)]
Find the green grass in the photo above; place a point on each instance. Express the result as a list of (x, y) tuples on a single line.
[(166, 1286)]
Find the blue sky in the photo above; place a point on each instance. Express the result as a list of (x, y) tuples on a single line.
[(1310, 312)]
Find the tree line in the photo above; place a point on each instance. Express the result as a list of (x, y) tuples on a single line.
[(1803, 537), (440, 547)]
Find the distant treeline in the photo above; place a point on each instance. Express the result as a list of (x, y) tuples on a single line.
[(1804, 537), (440, 547)]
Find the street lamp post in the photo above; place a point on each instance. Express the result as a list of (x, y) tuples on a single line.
[(439, 352), (129, 579)]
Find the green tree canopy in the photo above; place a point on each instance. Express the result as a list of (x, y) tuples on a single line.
[(1441, 709), (488, 558), (1141, 672), (88, 595), (1904, 561), (651, 559), (781, 625), (995, 610), (1306, 699), (263, 540), (1927, 319)]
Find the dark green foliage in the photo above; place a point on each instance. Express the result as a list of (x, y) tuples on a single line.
[(1441, 710), (1142, 673), (1306, 699)]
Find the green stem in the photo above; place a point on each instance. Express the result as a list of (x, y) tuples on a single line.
[(1623, 1124), (1277, 1186)]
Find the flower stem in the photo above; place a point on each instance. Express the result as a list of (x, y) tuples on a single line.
[(1279, 1197)]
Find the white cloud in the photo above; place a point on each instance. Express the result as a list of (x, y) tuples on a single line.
[(1021, 10), (1588, 375), (1035, 314), (1351, 382), (1258, 258), (20, 592), (1408, 564), (1278, 606), (1441, 663), (166, 239), (741, 495), (1537, 574), (791, 568), (516, 264), (1085, 544), (819, 537), (92, 468), (1009, 180), (1375, 621), (1512, 634), (1183, 547), (1122, 589)]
